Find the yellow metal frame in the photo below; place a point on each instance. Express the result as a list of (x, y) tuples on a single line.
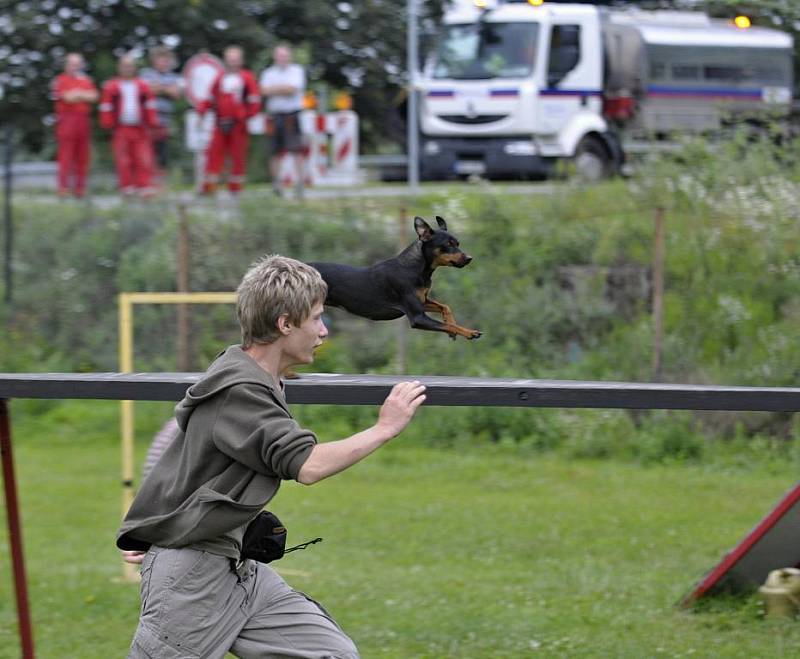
[(126, 302)]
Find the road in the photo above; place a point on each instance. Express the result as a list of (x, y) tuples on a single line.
[(105, 200)]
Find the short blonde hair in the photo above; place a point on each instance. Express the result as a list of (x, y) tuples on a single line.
[(273, 286)]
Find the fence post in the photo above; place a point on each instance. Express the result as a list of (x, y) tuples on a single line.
[(9, 226), (658, 292), (401, 355), (15, 533), (183, 287)]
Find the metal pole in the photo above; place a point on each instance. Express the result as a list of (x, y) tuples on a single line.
[(15, 534), (8, 223), (411, 107), (658, 292)]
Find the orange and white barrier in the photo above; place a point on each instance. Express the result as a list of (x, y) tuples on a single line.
[(330, 152), (330, 155), (344, 140), (315, 125)]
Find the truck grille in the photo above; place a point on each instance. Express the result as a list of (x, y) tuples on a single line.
[(477, 119)]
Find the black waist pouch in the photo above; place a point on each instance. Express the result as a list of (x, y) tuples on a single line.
[(265, 539)]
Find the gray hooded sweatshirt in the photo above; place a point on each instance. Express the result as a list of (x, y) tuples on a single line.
[(236, 442)]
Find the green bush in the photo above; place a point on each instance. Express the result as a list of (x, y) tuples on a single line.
[(668, 437), (560, 286)]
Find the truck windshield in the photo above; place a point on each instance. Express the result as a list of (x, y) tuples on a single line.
[(486, 50)]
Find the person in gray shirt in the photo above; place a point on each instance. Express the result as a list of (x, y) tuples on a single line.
[(236, 442), (283, 85), (165, 83)]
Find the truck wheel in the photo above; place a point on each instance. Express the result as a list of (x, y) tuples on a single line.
[(592, 160)]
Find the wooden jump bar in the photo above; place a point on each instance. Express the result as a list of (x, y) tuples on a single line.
[(447, 391)]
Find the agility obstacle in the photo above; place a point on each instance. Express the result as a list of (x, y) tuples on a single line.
[(125, 305), (773, 543), (372, 390)]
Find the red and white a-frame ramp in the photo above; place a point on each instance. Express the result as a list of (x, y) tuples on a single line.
[(774, 543)]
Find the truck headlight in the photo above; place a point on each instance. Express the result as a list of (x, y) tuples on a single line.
[(521, 148), (432, 148)]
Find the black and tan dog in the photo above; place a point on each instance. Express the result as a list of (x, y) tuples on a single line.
[(400, 286)]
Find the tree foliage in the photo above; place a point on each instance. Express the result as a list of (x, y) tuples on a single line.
[(357, 45)]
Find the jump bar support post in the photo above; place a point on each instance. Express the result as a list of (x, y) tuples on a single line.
[(126, 302), (126, 417), (15, 533)]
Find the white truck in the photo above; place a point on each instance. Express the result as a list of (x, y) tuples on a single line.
[(513, 87)]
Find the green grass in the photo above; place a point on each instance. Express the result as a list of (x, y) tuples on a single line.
[(481, 552)]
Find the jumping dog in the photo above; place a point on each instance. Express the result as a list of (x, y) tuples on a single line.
[(400, 286)]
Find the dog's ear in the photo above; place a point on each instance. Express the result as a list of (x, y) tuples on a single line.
[(423, 229), (442, 224)]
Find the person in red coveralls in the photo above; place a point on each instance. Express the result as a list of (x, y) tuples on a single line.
[(234, 98), (128, 107), (73, 92)]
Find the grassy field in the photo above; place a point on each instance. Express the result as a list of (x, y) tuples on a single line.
[(481, 552)]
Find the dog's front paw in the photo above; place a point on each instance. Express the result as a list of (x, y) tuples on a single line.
[(474, 334)]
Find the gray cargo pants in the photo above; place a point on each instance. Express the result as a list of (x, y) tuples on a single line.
[(197, 605)]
